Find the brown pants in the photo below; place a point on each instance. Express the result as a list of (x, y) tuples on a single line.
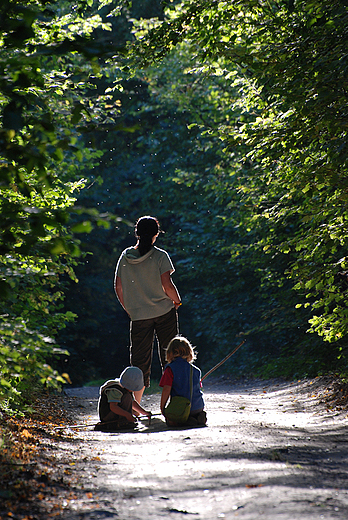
[(142, 334), (110, 421), (126, 404)]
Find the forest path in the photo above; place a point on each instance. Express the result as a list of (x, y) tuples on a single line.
[(270, 451)]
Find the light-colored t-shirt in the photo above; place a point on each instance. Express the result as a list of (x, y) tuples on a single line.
[(113, 395), (143, 294)]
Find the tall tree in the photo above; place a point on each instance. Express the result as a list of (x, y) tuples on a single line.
[(48, 74), (291, 63), (219, 147)]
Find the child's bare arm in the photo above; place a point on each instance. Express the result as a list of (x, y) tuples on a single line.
[(136, 406), (164, 397), (170, 289), (119, 291), (114, 407)]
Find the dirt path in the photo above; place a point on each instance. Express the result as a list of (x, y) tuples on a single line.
[(269, 451)]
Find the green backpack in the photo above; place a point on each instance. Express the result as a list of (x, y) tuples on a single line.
[(178, 410)]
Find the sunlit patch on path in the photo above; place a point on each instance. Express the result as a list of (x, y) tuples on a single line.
[(269, 451)]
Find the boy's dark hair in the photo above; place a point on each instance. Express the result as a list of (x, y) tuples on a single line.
[(145, 229)]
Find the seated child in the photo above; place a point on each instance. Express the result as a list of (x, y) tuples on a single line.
[(176, 380), (116, 402)]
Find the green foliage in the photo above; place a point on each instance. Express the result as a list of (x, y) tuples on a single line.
[(49, 74), (233, 134), (282, 68)]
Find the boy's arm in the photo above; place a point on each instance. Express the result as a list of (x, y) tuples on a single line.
[(119, 291), (170, 289), (164, 397), (136, 406), (114, 407)]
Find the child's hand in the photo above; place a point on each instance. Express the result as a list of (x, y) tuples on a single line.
[(130, 417)]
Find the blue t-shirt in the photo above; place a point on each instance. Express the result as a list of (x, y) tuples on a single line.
[(181, 383)]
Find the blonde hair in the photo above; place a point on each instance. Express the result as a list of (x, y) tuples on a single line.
[(180, 347)]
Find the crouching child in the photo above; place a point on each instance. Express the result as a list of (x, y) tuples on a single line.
[(182, 378), (117, 407)]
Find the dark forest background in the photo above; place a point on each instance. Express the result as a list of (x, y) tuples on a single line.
[(226, 121)]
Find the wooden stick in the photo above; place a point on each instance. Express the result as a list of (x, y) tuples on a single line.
[(223, 361), (141, 417), (73, 426)]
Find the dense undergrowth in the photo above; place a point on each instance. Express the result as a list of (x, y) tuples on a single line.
[(23, 436)]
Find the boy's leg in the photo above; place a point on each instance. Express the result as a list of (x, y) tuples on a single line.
[(113, 421), (137, 396), (167, 328), (111, 416), (141, 337), (127, 402), (202, 418), (199, 418)]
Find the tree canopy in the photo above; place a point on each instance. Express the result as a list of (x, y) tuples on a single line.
[(227, 120), (48, 73), (290, 68)]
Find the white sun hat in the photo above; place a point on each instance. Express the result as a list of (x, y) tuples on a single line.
[(132, 379)]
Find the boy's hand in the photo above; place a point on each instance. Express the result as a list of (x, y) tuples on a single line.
[(131, 418)]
